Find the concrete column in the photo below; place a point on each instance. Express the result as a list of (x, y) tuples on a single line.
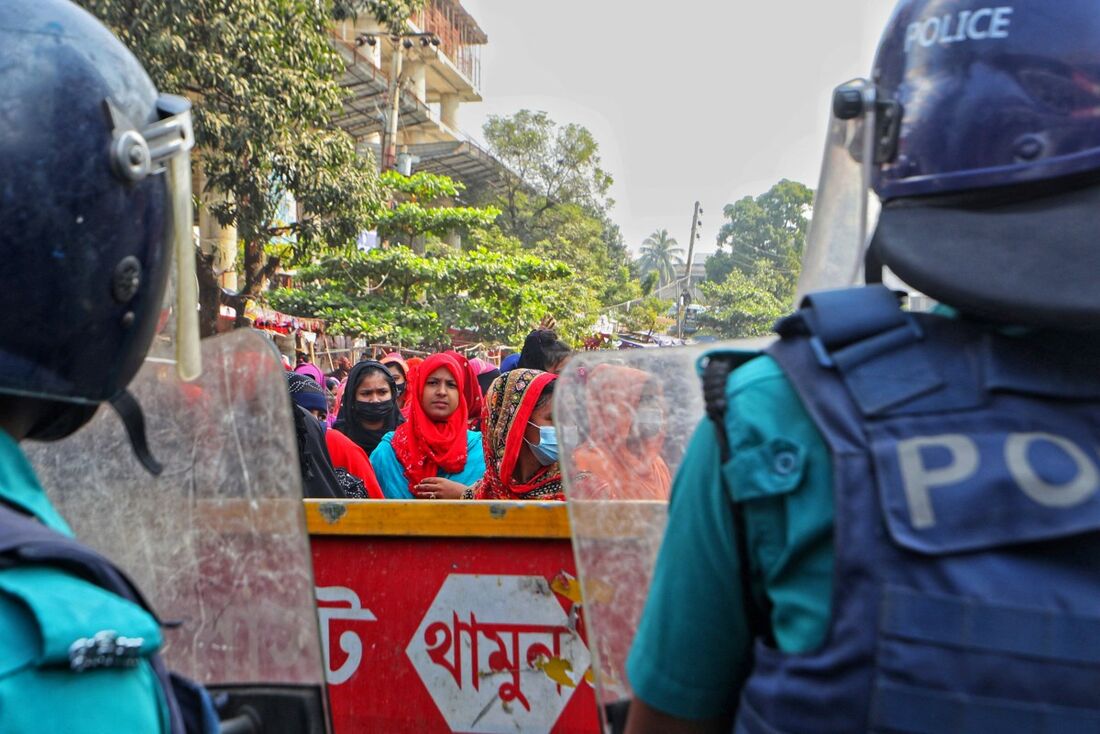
[(418, 80), (448, 110), (214, 239)]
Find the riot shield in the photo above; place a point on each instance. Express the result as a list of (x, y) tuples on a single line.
[(625, 419), (217, 542)]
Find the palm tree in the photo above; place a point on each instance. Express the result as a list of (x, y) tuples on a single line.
[(661, 253)]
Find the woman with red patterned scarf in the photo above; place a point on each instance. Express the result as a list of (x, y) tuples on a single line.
[(432, 455), (521, 448)]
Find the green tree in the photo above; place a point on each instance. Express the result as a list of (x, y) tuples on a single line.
[(265, 83), (422, 207), (391, 13), (556, 165), (771, 226), (746, 305), (646, 316), (395, 295), (661, 253), (557, 206)]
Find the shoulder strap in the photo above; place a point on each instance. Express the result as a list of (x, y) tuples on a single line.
[(715, 378), (24, 540), (878, 350)]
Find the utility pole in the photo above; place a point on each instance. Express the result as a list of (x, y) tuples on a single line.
[(389, 150), (401, 42), (684, 298)]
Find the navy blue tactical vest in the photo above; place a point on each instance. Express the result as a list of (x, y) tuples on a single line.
[(25, 541), (967, 533)]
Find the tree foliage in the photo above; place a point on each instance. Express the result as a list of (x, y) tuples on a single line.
[(264, 80), (752, 278), (395, 295), (746, 305), (647, 316), (556, 165), (558, 208), (661, 254), (771, 226), (422, 207), (391, 13)]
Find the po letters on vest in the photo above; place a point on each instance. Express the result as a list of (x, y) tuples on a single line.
[(967, 490)]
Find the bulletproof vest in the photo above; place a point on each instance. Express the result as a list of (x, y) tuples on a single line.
[(967, 486), (25, 541)]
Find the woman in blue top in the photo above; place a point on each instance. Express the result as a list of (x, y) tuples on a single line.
[(431, 455)]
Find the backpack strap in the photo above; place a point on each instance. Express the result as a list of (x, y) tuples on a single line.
[(879, 351), (716, 374)]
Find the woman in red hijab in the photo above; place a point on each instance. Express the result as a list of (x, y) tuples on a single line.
[(521, 450), (434, 443), (472, 392), (626, 417)]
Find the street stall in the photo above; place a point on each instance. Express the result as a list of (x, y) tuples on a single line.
[(450, 617)]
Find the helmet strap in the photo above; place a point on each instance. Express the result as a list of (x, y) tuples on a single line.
[(129, 411)]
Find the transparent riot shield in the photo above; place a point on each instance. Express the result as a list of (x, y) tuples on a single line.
[(625, 419), (217, 542)]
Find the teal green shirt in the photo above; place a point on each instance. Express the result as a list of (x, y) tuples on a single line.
[(391, 475), (42, 612), (691, 653)]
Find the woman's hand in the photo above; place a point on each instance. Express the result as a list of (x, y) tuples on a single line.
[(438, 488)]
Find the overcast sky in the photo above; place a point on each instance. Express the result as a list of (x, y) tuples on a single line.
[(693, 99)]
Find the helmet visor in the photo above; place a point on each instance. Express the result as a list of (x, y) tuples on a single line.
[(170, 142), (844, 212)]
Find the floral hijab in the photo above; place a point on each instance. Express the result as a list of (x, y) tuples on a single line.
[(425, 447), (509, 404)]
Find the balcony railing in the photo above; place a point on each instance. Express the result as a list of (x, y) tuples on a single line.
[(460, 38)]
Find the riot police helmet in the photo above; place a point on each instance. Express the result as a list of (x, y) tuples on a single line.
[(91, 201), (987, 156)]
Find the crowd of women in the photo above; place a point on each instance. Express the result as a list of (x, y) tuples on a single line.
[(449, 427)]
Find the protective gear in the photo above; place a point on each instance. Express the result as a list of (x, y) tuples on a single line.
[(373, 412), (221, 528), (616, 540), (983, 143), (132, 637), (95, 186), (546, 450), (961, 598), (843, 212)]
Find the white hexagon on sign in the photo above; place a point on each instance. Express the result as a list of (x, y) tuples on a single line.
[(498, 654)]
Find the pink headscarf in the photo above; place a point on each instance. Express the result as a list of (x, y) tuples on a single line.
[(481, 366), (395, 358), (312, 371)]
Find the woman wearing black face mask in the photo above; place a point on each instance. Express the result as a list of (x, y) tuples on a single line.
[(369, 410)]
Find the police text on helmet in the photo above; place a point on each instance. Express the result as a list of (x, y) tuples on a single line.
[(966, 25)]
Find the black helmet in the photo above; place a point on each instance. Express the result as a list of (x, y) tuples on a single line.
[(89, 206)]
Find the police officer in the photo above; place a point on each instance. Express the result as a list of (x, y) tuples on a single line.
[(86, 217), (894, 523)]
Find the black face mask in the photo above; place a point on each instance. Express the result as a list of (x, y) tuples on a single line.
[(401, 390), (373, 412)]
